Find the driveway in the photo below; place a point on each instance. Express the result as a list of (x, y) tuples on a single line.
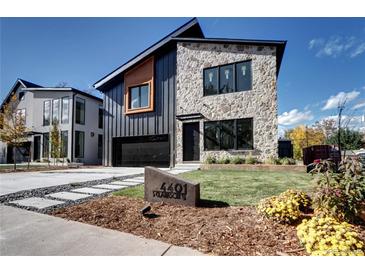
[(14, 182), (28, 233)]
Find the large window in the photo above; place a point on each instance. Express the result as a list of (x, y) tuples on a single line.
[(228, 78), (56, 111), (21, 114), (100, 146), (228, 134), (79, 144), (46, 112), (139, 96), (64, 144), (80, 111), (101, 117), (65, 110), (45, 146)]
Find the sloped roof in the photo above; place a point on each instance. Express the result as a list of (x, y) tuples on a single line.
[(190, 32)]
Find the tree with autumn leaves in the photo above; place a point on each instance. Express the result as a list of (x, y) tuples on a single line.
[(12, 126)]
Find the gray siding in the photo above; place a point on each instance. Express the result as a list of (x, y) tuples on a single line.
[(160, 121)]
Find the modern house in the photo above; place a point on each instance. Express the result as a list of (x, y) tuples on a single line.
[(79, 116), (187, 97)]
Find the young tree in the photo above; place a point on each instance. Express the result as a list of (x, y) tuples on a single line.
[(327, 126), (55, 141), (302, 137), (12, 126)]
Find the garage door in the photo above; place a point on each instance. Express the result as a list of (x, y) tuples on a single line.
[(141, 151)]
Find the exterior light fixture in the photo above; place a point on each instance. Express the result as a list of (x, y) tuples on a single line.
[(226, 72), (243, 68)]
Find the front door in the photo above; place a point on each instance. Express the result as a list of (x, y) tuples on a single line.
[(37, 148), (191, 149)]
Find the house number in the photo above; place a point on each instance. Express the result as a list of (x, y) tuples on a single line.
[(171, 191)]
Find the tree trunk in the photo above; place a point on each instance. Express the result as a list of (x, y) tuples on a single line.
[(14, 157)]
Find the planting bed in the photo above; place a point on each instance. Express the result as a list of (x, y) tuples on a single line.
[(212, 230)]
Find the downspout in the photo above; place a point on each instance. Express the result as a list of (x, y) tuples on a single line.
[(72, 127)]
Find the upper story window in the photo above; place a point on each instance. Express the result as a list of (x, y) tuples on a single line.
[(228, 78), (65, 109), (139, 89), (21, 114), (228, 134), (56, 111), (139, 96), (101, 117), (80, 111), (46, 112), (21, 96)]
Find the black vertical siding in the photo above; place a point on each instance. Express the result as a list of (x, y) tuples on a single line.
[(160, 121)]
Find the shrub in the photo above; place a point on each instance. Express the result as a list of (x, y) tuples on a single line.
[(237, 160), (285, 208), (272, 161), (339, 193), (327, 236), (223, 160), (287, 161), (210, 160), (251, 160)]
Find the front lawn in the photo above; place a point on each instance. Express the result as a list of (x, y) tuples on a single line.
[(238, 187)]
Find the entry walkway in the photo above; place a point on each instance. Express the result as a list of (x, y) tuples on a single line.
[(28, 233)]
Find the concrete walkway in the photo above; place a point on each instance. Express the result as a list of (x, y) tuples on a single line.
[(14, 182), (28, 233)]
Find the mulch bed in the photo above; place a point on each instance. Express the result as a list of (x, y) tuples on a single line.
[(215, 231)]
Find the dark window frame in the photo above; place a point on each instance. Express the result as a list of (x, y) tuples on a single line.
[(58, 112), (139, 96), (49, 113), (100, 116), (63, 146), (100, 146), (235, 133), (76, 117), (234, 77), (77, 153), (45, 147)]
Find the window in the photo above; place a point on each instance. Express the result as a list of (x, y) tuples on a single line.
[(211, 81), (243, 76), (228, 134), (139, 88), (100, 146), (79, 144), (45, 147), (139, 96), (64, 144), (56, 111), (46, 112), (101, 117), (80, 111), (65, 110), (228, 78), (21, 96)]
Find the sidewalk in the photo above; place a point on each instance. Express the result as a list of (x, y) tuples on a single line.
[(28, 233)]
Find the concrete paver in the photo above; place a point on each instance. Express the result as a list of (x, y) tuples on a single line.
[(125, 183), (108, 186), (90, 190), (24, 232), (36, 202), (68, 196)]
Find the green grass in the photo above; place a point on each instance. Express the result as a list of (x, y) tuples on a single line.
[(237, 187)]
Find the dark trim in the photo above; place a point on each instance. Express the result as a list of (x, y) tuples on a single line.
[(192, 116), (139, 57), (72, 126), (84, 122)]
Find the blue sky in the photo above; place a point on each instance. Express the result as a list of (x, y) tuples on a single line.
[(324, 61)]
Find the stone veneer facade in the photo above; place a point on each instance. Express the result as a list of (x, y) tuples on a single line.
[(260, 103)]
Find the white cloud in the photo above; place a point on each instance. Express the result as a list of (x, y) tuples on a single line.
[(357, 51), (333, 101), (336, 46), (294, 117), (360, 104)]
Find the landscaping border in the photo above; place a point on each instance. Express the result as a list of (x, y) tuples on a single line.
[(256, 167)]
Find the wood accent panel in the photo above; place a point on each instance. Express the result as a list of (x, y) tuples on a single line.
[(140, 75)]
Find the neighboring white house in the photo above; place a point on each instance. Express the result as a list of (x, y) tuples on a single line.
[(80, 117)]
